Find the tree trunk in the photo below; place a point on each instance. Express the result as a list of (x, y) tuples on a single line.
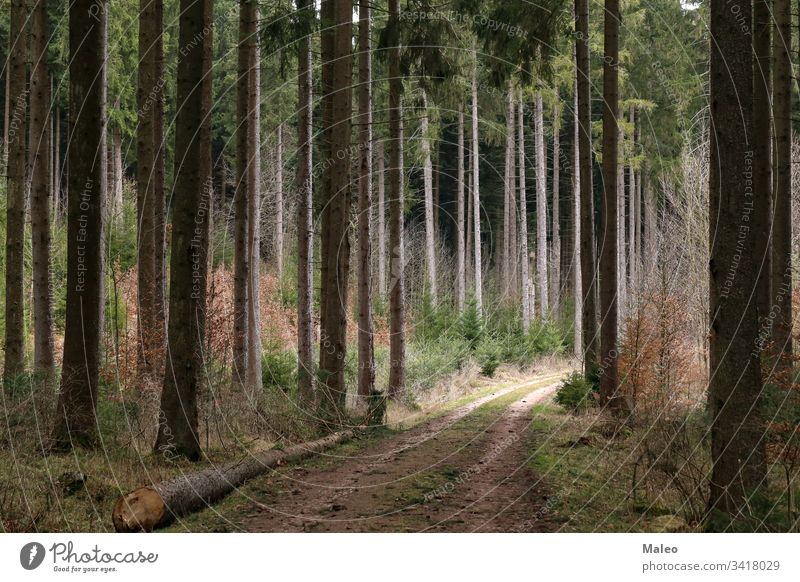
[(461, 280), (76, 421), (380, 173), (621, 259), (17, 174), (41, 184), (762, 157), (541, 213), (159, 203), (513, 237), (305, 225), (523, 221), (245, 116), (737, 447), (505, 266), (146, 93), (7, 108), (576, 218), (608, 241), (337, 198), (781, 275), (178, 424), (555, 274), (156, 506), (253, 380), (279, 204), (397, 342), (116, 160), (58, 206), (366, 356), (632, 257), (587, 245), (469, 263), (427, 170), (476, 199)]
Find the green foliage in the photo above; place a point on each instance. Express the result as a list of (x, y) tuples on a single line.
[(575, 394), (471, 324), (278, 368)]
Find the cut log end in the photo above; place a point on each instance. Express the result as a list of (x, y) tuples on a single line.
[(140, 510)]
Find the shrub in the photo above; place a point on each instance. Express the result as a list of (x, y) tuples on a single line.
[(489, 355), (575, 394), (278, 368)]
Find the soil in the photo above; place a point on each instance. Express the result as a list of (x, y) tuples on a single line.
[(464, 471)]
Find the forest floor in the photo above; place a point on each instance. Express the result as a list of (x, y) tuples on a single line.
[(464, 469)]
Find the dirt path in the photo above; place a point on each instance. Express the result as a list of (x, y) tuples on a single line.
[(462, 471)]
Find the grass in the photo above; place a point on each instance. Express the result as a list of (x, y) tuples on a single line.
[(590, 474)]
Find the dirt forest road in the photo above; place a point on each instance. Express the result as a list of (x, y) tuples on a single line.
[(463, 471)]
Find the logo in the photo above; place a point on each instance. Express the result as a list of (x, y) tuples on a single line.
[(31, 555)]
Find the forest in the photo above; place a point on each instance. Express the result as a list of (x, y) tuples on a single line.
[(399, 266)]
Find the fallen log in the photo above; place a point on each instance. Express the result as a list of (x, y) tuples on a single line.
[(156, 506)]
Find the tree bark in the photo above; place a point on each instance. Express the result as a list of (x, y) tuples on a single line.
[(155, 506), (279, 204), (178, 420), (576, 216), (762, 157), (397, 341), (555, 274), (145, 190), (427, 170), (336, 221), (588, 265), (523, 221), (17, 175), (305, 225), (244, 189), (781, 263), (507, 241), (461, 280), (609, 242), (380, 172), (159, 201), (76, 422), (41, 185), (737, 447), (253, 380), (632, 210), (513, 237), (541, 213), (476, 199), (621, 258), (366, 356)]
